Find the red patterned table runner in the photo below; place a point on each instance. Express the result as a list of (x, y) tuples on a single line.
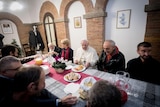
[(59, 77)]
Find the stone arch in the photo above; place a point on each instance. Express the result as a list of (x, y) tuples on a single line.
[(66, 4), (101, 4), (48, 7), (92, 16), (17, 22)]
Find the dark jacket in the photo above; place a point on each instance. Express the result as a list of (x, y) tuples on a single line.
[(6, 87), (145, 71), (1, 40), (58, 50), (70, 57), (44, 99), (36, 39), (116, 63)]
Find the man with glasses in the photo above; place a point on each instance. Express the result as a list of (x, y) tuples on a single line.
[(111, 59), (9, 65), (29, 90)]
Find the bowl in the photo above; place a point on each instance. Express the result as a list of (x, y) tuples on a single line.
[(59, 70)]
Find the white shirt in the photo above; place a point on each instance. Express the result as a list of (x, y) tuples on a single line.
[(90, 55)]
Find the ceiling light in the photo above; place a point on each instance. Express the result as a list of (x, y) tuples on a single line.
[(1, 5), (16, 6)]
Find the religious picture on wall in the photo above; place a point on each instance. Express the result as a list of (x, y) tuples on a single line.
[(77, 22), (6, 28), (123, 19)]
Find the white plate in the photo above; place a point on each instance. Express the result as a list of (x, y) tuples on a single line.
[(72, 88), (68, 67), (79, 76), (45, 69), (74, 68)]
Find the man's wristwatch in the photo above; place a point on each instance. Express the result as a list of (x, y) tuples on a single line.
[(59, 102)]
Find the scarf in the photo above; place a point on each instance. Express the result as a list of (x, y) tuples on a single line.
[(109, 56), (65, 53)]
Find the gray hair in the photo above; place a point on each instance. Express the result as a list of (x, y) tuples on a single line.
[(5, 62), (111, 42), (108, 95)]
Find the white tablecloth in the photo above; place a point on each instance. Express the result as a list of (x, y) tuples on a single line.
[(141, 94)]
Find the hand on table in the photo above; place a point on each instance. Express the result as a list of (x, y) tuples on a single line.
[(69, 100)]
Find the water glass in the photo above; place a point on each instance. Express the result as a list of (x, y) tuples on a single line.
[(83, 60)]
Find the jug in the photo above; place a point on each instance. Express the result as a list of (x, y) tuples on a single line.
[(121, 80)]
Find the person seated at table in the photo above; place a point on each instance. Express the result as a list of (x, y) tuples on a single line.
[(12, 50), (86, 55), (104, 94), (29, 90), (144, 67), (67, 52), (54, 50), (8, 67), (111, 59)]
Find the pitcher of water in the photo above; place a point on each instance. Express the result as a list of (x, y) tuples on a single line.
[(121, 80)]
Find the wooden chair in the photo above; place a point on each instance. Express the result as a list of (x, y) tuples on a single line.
[(27, 50)]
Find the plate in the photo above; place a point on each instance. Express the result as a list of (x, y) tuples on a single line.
[(68, 67), (78, 68), (45, 69), (72, 88), (73, 77)]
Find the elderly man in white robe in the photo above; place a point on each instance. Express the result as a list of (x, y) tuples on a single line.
[(86, 55)]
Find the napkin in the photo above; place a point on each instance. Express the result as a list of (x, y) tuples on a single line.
[(72, 88), (87, 83), (45, 69)]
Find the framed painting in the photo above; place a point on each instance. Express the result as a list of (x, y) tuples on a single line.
[(123, 19), (7, 28), (77, 22)]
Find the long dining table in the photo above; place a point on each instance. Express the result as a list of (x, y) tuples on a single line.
[(140, 94)]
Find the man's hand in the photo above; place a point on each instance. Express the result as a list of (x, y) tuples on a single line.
[(76, 61), (69, 100)]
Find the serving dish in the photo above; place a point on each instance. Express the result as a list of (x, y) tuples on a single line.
[(72, 77), (78, 68)]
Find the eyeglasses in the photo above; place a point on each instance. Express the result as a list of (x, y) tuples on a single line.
[(13, 69)]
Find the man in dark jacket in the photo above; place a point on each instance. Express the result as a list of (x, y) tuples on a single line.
[(144, 67), (54, 50), (111, 59), (29, 90), (8, 67), (12, 50)]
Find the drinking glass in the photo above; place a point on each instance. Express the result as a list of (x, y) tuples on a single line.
[(83, 60)]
